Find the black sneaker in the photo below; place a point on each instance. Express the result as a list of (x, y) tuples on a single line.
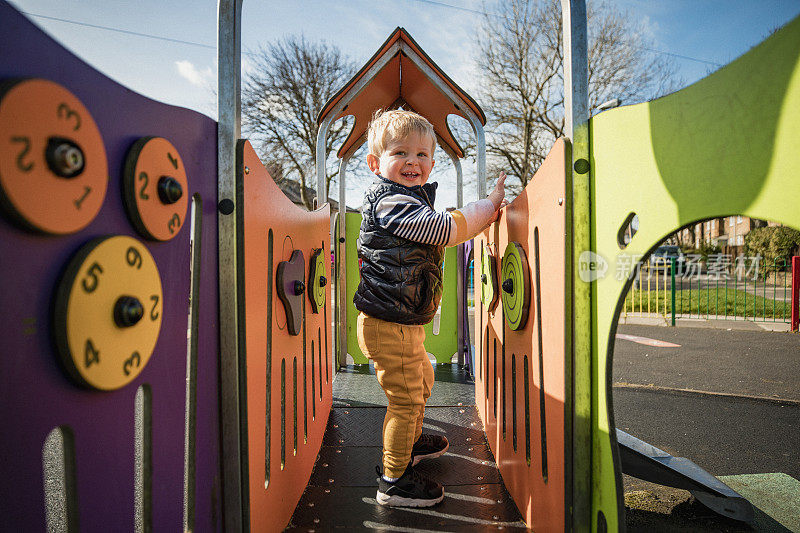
[(428, 447), (411, 490)]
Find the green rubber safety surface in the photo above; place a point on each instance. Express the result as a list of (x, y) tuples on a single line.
[(516, 285), (775, 496)]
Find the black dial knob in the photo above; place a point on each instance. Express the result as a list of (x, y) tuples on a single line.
[(169, 190), (299, 287), (64, 157), (128, 311), (508, 285)]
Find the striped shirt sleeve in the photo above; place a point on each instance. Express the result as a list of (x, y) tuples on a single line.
[(408, 217), (414, 220)]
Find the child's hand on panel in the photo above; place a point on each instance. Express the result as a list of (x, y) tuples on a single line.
[(497, 197)]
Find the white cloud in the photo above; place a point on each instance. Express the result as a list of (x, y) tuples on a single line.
[(197, 77), (650, 28)]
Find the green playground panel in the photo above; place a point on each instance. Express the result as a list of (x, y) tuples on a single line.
[(727, 145), (443, 345)]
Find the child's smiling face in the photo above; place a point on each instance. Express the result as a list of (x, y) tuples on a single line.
[(407, 161)]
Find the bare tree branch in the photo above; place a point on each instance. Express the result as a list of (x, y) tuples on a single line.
[(283, 94), (520, 60)]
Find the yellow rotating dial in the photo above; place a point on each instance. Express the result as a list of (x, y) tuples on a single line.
[(108, 312)]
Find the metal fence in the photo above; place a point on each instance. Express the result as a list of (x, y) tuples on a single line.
[(721, 287), (737, 289)]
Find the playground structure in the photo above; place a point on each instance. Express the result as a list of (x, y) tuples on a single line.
[(118, 238)]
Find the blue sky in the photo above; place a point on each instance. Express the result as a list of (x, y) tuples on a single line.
[(699, 34)]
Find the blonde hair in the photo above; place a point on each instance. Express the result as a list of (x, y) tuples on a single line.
[(386, 126)]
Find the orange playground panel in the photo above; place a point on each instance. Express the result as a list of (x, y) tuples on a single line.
[(520, 374), (285, 420)]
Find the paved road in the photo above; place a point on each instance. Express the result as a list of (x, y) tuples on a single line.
[(751, 363), (723, 427), (724, 435)]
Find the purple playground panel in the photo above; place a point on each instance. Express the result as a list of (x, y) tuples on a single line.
[(37, 395)]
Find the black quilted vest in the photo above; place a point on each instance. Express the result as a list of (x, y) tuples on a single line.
[(401, 280)]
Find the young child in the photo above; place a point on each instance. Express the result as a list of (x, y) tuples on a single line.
[(401, 246)]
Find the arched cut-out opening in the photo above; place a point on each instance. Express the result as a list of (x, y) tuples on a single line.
[(627, 230), (697, 363)]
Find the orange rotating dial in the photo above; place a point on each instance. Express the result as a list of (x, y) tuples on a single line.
[(155, 188), (53, 168)]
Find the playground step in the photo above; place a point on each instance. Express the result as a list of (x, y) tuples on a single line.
[(645, 461)]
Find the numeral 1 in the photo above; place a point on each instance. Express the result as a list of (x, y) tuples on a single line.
[(79, 201)]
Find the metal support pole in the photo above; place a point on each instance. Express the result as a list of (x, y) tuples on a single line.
[(673, 262), (341, 283), (459, 183), (229, 46), (580, 372), (460, 286), (480, 150), (795, 293), (322, 156)]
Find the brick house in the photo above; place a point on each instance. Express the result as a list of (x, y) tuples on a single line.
[(726, 232)]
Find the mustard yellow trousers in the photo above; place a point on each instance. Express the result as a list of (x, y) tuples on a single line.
[(406, 376)]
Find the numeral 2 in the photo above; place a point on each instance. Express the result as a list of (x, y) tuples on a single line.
[(21, 164), (143, 177), (153, 313)]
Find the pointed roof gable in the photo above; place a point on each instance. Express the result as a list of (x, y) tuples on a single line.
[(400, 74)]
